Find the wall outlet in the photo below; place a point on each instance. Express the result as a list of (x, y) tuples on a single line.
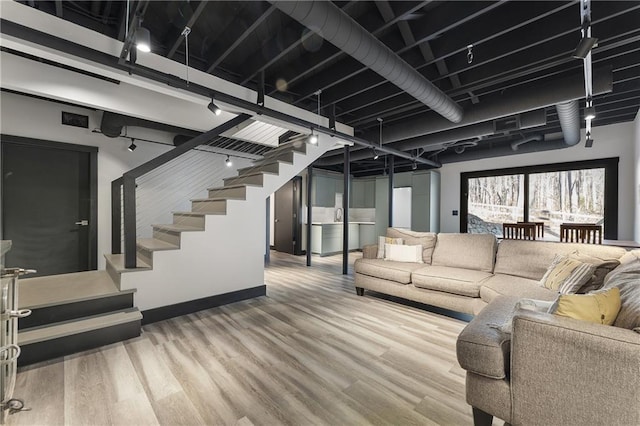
[(454, 212)]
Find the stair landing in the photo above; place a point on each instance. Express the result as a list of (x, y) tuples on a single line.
[(55, 289)]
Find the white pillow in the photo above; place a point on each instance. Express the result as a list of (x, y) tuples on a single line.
[(386, 240), (402, 253)]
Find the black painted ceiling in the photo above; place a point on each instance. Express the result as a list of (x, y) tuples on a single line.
[(515, 43)]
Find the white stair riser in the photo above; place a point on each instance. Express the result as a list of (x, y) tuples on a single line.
[(286, 157)]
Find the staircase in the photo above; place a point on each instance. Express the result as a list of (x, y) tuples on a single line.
[(211, 255)]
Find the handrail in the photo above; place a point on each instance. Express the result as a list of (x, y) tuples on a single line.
[(125, 188)]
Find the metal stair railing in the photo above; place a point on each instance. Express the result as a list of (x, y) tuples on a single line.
[(123, 191)]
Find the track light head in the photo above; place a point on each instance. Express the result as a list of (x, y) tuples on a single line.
[(375, 155), (414, 166), (214, 108), (228, 162), (143, 39), (584, 47), (133, 146), (589, 113), (313, 138)]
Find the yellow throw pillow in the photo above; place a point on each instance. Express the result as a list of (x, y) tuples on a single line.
[(599, 308), (566, 275)]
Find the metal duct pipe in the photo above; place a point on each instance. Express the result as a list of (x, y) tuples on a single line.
[(111, 125), (513, 101), (515, 145), (434, 142), (569, 116), (338, 28), (502, 151)]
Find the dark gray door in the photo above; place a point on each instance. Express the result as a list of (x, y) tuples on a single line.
[(47, 208), (287, 225)]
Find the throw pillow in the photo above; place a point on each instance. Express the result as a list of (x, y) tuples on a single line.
[(526, 305), (626, 277), (426, 239), (402, 253), (386, 240), (566, 275), (630, 256), (603, 267), (599, 308)]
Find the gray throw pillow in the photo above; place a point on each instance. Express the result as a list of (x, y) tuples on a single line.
[(627, 278)]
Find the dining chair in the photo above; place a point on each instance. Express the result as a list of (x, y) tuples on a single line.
[(589, 233), (519, 231)]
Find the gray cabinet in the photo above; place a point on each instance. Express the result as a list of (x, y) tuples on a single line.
[(324, 190), (363, 193), (327, 238)]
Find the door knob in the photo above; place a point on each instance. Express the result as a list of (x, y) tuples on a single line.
[(83, 223)]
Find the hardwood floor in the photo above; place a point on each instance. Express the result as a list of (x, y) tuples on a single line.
[(310, 352)]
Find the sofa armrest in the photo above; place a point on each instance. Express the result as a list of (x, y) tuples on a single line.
[(565, 371), (370, 251)]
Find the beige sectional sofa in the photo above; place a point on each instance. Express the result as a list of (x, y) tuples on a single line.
[(464, 272)]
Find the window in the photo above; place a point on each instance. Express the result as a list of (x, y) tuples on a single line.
[(581, 192)]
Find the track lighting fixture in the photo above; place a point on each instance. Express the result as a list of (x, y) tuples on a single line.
[(214, 108), (143, 39), (313, 138), (584, 47), (414, 166), (375, 154), (589, 113), (133, 146), (228, 162)]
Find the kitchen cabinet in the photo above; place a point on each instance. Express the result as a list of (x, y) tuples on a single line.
[(363, 193), (326, 238), (368, 234), (324, 190)]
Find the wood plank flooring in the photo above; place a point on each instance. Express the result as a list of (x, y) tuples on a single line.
[(309, 353)]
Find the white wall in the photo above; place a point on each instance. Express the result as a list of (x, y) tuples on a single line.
[(33, 118), (636, 186), (610, 141)]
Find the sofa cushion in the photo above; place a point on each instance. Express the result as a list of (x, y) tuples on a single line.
[(399, 272), (481, 347), (540, 254), (508, 285), (465, 282), (469, 251), (412, 238), (603, 267)]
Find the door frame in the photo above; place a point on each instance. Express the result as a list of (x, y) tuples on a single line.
[(296, 221), (93, 184)]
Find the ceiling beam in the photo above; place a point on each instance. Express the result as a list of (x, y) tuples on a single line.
[(239, 40), (59, 8), (190, 23)]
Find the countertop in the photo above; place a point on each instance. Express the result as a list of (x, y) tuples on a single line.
[(340, 223)]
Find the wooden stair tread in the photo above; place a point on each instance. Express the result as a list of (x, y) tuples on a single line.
[(117, 262), (239, 185), (67, 328), (171, 227), (191, 213), (218, 199), (154, 244), (262, 172), (65, 288)]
